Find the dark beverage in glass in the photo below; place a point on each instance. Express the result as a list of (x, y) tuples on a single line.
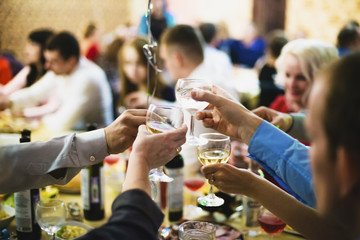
[(271, 224)]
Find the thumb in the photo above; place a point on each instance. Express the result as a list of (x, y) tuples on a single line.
[(200, 95)]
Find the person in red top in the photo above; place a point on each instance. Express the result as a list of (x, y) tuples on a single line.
[(297, 66), (5, 71)]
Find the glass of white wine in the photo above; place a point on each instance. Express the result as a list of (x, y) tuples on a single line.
[(183, 89), (161, 119), (50, 215), (214, 148)]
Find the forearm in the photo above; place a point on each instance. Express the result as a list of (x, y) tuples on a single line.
[(302, 218), (137, 175)]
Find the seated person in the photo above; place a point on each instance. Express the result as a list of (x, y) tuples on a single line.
[(80, 89), (334, 155), (35, 60), (134, 79)]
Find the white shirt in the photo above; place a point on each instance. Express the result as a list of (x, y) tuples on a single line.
[(25, 165), (84, 94)]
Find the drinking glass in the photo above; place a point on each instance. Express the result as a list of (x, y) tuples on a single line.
[(215, 148), (162, 119), (197, 230), (183, 89), (50, 215), (270, 223)]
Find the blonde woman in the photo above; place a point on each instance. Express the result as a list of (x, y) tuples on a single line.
[(297, 66)]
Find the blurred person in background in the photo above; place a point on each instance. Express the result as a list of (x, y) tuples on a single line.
[(108, 61), (35, 60), (246, 51), (80, 87), (90, 44), (133, 74), (160, 19), (297, 66), (5, 71), (216, 59), (348, 38), (276, 40)]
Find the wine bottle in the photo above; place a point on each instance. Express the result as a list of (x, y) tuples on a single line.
[(25, 202), (175, 188), (92, 189)]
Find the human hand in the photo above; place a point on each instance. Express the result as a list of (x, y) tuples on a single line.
[(156, 150), (228, 117), (281, 120), (121, 133), (229, 179), (136, 100)]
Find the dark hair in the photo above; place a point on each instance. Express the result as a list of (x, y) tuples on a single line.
[(208, 31), (89, 30), (341, 124), (186, 39), (276, 40), (347, 36), (40, 37), (66, 44)]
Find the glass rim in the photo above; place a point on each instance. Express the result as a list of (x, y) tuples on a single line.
[(213, 226), (47, 203), (224, 137), (164, 106)]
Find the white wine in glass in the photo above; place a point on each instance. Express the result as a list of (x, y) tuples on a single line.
[(183, 89), (214, 148), (161, 119)]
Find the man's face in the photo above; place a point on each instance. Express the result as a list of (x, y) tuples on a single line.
[(169, 60), (57, 64), (324, 174)]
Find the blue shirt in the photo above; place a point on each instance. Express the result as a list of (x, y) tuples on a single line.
[(284, 158)]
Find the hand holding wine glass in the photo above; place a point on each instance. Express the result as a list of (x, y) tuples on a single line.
[(183, 89), (215, 148), (162, 119), (50, 215)]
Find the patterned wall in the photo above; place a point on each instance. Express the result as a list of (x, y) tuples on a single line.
[(320, 19), (19, 17)]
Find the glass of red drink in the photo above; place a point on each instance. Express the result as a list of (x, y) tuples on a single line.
[(270, 223)]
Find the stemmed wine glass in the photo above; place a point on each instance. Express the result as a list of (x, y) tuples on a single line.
[(270, 223), (183, 89), (50, 215), (162, 119), (215, 148)]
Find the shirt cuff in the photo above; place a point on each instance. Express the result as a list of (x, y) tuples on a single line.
[(91, 147)]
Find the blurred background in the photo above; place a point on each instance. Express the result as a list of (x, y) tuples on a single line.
[(305, 18)]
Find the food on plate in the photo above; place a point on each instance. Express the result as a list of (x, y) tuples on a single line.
[(70, 232), (3, 214)]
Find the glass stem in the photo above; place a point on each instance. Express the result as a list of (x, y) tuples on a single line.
[(192, 125), (53, 236), (211, 192)]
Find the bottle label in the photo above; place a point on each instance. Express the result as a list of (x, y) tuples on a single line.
[(175, 189), (85, 188), (23, 211), (252, 208)]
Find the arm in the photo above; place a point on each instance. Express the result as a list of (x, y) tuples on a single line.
[(282, 156), (17, 83), (135, 215), (36, 161), (304, 219)]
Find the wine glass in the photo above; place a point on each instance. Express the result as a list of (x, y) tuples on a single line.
[(270, 223), (197, 230), (162, 119), (215, 148), (50, 215), (183, 89)]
